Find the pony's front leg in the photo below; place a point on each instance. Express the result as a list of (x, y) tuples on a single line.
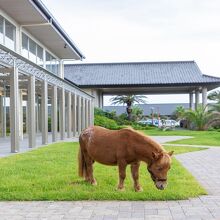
[(122, 174), (135, 176)]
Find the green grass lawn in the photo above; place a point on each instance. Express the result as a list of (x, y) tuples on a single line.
[(206, 138), (50, 173)]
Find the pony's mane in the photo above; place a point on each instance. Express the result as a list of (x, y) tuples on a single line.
[(152, 142)]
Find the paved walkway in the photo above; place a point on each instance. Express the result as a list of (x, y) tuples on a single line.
[(5, 147), (204, 165)]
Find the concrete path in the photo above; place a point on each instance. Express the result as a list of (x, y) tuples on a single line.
[(164, 139), (5, 149), (204, 165)]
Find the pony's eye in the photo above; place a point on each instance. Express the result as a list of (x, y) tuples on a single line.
[(159, 168)]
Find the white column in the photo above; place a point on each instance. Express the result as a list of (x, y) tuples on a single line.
[(62, 114), (79, 119), (26, 122), (31, 112), (1, 111), (44, 111), (21, 115), (197, 93), (54, 114), (204, 96), (3, 114), (69, 116), (100, 99), (74, 100), (191, 100), (87, 113), (83, 114), (37, 113), (91, 112), (14, 110)]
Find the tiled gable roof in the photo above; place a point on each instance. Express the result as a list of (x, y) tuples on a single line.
[(140, 73)]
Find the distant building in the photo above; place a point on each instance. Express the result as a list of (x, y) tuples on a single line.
[(163, 109)]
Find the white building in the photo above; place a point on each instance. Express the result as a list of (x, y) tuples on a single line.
[(33, 47)]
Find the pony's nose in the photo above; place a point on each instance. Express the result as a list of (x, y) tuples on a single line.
[(160, 186)]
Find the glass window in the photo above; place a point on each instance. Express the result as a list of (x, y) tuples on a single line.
[(40, 61), (48, 62), (32, 50), (24, 45), (9, 35), (1, 29), (52, 64)]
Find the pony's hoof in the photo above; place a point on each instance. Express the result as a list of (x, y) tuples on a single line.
[(94, 183), (121, 189), (139, 189)]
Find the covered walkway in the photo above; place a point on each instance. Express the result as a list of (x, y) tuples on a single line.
[(33, 100)]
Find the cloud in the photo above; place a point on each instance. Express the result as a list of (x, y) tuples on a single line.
[(144, 30)]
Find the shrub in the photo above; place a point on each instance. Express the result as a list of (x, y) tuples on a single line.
[(106, 122), (111, 115)]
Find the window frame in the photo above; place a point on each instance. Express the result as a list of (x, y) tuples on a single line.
[(4, 33)]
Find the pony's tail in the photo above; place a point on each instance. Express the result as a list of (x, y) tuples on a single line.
[(81, 160)]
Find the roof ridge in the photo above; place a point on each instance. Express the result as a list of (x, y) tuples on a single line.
[(138, 62), (215, 77)]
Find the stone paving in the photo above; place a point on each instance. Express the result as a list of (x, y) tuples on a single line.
[(5, 147), (204, 165)]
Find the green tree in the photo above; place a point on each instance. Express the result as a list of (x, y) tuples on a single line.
[(202, 119), (179, 112), (137, 113), (129, 100), (215, 96)]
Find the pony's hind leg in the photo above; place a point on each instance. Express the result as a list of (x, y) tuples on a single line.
[(135, 176), (122, 174), (89, 170)]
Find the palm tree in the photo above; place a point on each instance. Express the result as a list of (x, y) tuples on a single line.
[(129, 100), (201, 118), (179, 112), (215, 96)]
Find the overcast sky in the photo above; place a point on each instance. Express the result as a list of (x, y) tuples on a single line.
[(143, 30)]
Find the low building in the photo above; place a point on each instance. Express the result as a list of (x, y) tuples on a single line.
[(178, 77)]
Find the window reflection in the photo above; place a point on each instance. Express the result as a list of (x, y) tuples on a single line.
[(52, 64), (25, 45), (1, 29), (7, 33)]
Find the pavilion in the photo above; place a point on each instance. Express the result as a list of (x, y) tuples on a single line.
[(178, 77)]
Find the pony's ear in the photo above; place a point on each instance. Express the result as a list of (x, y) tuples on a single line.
[(171, 153), (156, 156)]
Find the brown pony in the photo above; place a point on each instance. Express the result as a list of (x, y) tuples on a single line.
[(121, 148)]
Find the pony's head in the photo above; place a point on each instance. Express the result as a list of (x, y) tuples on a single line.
[(159, 167)]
